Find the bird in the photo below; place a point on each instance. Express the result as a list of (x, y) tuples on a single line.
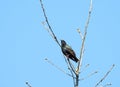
[(68, 51)]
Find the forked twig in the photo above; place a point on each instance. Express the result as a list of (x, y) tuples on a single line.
[(69, 68), (46, 19), (84, 37), (105, 75), (47, 28), (83, 42)]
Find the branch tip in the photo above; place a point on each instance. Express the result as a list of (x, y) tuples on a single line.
[(103, 78), (26, 82), (48, 24), (46, 59)]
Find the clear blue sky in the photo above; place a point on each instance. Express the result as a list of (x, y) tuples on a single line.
[(24, 43)]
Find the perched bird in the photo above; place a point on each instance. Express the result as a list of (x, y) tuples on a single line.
[(68, 51)]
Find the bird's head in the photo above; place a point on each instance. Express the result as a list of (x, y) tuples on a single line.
[(63, 43)]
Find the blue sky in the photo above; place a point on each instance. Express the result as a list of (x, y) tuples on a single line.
[(24, 43)]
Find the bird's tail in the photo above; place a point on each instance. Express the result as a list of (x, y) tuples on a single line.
[(76, 60)]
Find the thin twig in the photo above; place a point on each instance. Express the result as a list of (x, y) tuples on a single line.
[(54, 37), (70, 70), (105, 75), (80, 33), (91, 74), (84, 68), (71, 66), (109, 84), (46, 27), (50, 62), (84, 37), (28, 84)]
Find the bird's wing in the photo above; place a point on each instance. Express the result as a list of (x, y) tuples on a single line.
[(70, 51)]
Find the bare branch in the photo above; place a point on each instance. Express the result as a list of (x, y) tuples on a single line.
[(28, 84), (105, 75), (50, 62), (46, 27), (50, 29), (82, 47), (71, 66), (109, 84), (70, 70), (72, 76), (84, 37), (91, 74), (84, 68), (78, 30), (77, 80)]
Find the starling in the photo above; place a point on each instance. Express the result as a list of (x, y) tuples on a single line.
[(68, 51)]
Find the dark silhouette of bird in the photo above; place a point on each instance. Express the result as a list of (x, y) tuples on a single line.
[(68, 51)]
